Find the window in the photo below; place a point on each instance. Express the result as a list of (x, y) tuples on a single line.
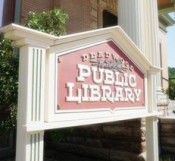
[(109, 19)]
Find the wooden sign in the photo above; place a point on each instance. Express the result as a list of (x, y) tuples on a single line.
[(99, 76)]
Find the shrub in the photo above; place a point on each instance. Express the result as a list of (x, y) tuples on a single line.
[(51, 22)]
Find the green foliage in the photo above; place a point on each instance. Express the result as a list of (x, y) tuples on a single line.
[(8, 85), (171, 72), (51, 22), (165, 159), (171, 89), (59, 135), (9, 124), (8, 74)]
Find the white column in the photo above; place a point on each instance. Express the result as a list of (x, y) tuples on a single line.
[(152, 36), (139, 19), (152, 122), (130, 16), (30, 102)]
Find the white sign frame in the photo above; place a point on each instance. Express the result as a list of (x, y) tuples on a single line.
[(37, 54), (106, 113)]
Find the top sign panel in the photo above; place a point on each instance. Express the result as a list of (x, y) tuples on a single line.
[(97, 77)]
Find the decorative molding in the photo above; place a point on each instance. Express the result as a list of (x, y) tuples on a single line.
[(111, 6), (27, 41), (116, 65), (35, 147), (37, 97), (70, 123), (93, 14), (17, 32)]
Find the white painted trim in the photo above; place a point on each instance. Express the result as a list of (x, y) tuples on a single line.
[(52, 115), (16, 32), (30, 103), (82, 122), (14, 27), (34, 43)]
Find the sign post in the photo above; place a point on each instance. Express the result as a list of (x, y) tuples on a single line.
[(88, 78)]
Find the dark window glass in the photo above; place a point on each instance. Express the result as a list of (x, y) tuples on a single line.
[(109, 19)]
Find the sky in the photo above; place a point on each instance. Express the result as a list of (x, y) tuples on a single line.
[(171, 44)]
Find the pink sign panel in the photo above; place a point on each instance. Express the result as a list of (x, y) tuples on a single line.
[(97, 77)]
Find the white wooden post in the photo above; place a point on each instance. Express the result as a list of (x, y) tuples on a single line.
[(152, 122), (30, 102), (31, 91)]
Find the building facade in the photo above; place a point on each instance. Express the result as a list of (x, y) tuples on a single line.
[(139, 19), (93, 14)]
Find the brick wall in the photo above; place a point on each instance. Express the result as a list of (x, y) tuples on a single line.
[(79, 15), (123, 140), (167, 135), (36, 6), (128, 136), (78, 11), (56, 4)]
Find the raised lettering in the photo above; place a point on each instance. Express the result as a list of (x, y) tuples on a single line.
[(83, 72)]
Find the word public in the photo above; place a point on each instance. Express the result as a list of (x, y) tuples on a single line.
[(108, 85)]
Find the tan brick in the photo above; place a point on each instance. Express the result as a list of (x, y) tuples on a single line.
[(79, 15)]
